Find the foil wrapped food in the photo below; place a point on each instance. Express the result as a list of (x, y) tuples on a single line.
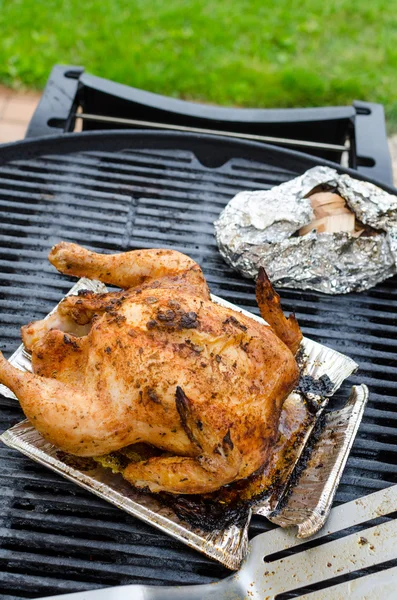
[(258, 229), (217, 525)]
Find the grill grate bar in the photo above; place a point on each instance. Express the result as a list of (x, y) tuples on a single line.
[(100, 575), (121, 172), (68, 187), (139, 556), (39, 199), (130, 183), (41, 585), (363, 463), (30, 212)]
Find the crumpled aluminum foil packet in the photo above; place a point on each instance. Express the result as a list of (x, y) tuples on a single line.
[(257, 229), (228, 544)]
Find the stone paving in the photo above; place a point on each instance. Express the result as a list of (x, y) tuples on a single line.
[(17, 108)]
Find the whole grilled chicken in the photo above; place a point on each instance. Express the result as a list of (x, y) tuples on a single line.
[(160, 363)]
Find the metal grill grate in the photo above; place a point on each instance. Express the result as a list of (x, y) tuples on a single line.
[(55, 537)]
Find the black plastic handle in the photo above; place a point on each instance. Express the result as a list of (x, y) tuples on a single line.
[(372, 153), (58, 103)]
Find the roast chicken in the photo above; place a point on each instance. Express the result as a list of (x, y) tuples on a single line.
[(158, 362)]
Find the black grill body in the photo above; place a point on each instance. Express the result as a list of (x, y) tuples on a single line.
[(362, 125), (115, 191)]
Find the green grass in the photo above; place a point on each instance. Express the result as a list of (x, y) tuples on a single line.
[(277, 53)]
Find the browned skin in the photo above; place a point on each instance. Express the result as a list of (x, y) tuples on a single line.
[(158, 363), (287, 329)]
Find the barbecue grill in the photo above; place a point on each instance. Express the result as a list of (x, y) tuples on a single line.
[(123, 185)]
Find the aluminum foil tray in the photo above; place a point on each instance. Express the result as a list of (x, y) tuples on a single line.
[(305, 503)]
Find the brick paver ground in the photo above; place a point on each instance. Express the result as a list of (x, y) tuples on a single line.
[(17, 108)]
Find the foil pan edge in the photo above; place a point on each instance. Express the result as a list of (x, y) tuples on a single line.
[(14, 438), (311, 499)]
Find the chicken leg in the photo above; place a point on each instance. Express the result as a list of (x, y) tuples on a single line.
[(65, 414), (125, 270), (76, 419), (217, 464), (129, 269)]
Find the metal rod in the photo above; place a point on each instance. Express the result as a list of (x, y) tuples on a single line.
[(246, 136)]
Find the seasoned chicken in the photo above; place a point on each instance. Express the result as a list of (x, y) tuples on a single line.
[(158, 362)]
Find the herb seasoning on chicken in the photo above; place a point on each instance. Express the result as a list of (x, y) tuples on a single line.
[(159, 363)]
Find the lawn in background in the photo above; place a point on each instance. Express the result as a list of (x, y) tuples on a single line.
[(261, 53)]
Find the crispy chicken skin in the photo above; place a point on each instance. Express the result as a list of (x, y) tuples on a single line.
[(157, 362)]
